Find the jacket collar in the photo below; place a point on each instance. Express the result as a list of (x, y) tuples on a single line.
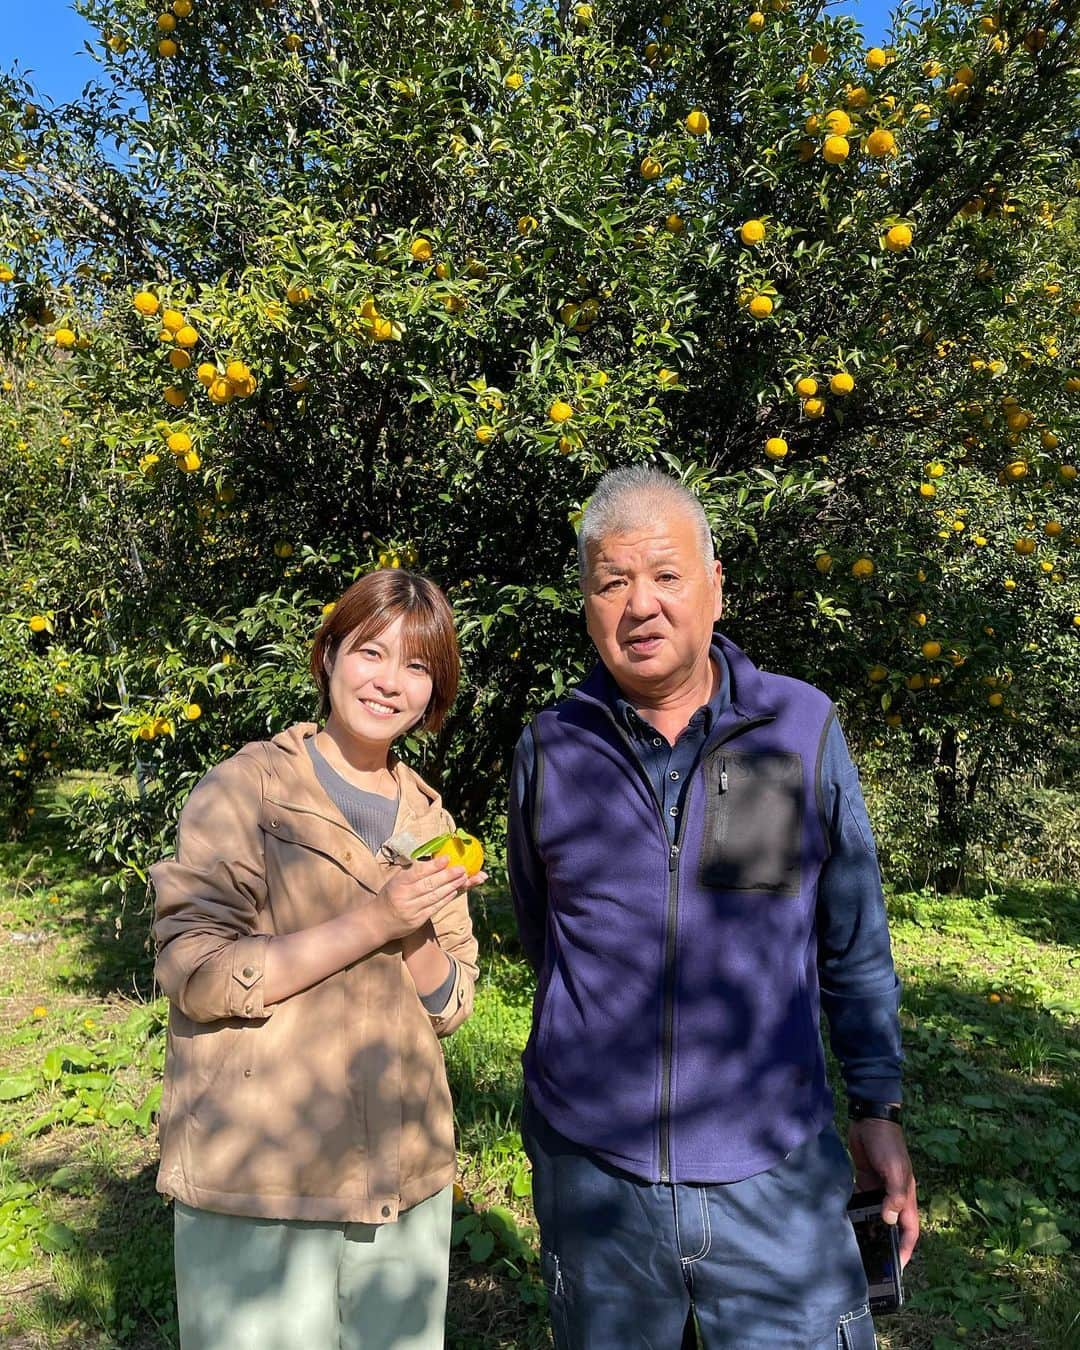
[(749, 698), (295, 787)]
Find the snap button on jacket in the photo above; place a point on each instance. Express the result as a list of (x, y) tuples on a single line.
[(333, 1104)]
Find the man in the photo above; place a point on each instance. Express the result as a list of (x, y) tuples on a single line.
[(694, 877)]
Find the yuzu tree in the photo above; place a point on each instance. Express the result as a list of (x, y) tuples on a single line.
[(315, 287)]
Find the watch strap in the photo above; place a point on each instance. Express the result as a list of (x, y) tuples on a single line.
[(860, 1109)]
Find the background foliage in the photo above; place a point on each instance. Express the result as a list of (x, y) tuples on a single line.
[(301, 289)]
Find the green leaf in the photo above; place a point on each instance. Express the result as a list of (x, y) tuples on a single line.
[(481, 1245), (56, 1237), (20, 1085)]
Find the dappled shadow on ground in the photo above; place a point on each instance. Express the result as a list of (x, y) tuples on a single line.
[(485, 1310), (993, 1099), (119, 1276), (1042, 912), (114, 937)]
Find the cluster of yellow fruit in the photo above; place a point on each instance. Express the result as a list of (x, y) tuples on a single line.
[(175, 329), (580, 315), (375, 325), (152, 728), (166, 23), (393, 558), (183, 451), (837, 127), (223, 385)]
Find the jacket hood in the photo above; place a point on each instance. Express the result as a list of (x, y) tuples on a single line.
[(287, 759)]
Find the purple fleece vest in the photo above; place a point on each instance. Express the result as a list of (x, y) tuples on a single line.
[(675, 1027)]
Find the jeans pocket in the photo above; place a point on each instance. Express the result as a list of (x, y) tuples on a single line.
[(855, 1330)]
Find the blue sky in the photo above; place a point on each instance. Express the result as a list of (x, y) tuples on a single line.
[(46, 36)]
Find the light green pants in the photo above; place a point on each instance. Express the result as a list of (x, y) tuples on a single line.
[(264, 1284)]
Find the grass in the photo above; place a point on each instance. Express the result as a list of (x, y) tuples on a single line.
[(992, 1030)]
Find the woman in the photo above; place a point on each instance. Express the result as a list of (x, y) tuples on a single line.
[(306, 1124)]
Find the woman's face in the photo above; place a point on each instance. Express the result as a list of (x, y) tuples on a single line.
[(378, 690)]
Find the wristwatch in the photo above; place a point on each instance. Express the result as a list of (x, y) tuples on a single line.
[(860, 1109)]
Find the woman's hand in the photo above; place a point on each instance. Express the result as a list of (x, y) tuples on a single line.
[(417, 891)]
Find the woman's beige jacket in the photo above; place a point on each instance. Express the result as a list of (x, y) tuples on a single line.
[(333, 1104)]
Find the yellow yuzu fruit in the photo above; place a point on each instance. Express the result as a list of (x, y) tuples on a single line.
[(836, 149), (898, 238), (880, 143)]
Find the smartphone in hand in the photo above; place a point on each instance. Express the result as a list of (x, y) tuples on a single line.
[(879, 1246)]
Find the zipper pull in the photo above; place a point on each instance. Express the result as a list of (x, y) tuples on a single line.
[(723, 775), (673, 857)]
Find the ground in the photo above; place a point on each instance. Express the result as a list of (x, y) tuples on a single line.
[(992, 1030)]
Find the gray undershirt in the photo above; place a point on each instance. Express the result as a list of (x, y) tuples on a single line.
[(372, 817)]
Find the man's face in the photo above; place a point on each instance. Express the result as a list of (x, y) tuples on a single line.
[(650, 605)]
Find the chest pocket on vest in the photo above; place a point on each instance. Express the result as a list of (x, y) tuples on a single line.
[(753, 822)]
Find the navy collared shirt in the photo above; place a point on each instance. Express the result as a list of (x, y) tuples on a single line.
[(670, 766)]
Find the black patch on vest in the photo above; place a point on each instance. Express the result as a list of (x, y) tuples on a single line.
[(753, 822)]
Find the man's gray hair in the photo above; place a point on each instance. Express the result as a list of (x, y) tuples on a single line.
[(631, 498)]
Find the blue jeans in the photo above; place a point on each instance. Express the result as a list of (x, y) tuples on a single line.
[(769, 1263)]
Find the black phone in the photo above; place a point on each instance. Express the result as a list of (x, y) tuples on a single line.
[(879, 1246)]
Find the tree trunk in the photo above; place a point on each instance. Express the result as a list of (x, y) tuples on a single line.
[(951, 825)]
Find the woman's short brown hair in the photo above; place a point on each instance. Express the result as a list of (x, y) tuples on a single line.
[(371, 605)]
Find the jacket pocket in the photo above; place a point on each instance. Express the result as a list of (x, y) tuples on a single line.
[(547, 1009), (753, 822)]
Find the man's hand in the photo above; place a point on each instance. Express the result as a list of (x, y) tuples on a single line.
[(881, 1159)]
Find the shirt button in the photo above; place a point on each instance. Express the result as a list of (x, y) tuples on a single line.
[(247, 1073), (674, 811), (658, 741), (386, 1211), (273, 824), (247, 1009), (248, 972), (674, 775)]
